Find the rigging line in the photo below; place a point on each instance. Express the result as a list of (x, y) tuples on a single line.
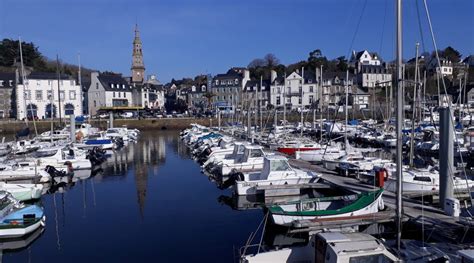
[(419, 26), (357, 29), (383, 27), (445, 92)]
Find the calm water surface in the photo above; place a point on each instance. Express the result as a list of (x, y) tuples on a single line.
[(149, 203)]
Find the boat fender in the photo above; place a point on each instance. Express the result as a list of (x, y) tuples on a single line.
[(70, 169), (381, 204)]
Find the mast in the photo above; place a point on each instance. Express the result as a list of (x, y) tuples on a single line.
[(400, 95), (25, 86), (313, 103), (321, 105), (59, 91), (79, 75), (284, 102), (412, 136), (259, 102), (347, 103), (302, 118)]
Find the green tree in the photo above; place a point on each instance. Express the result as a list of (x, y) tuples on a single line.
[(451, 54), (10, 55)]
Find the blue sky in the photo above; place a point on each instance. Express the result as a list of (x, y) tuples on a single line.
[(189, 37)]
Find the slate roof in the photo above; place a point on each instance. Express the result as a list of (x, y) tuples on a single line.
[(7, 78), (373, 69), (256, 83), (48, 75), (118, 82)]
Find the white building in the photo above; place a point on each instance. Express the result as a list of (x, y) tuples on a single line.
[(107, 91), (294, 91), (446, 68), (374, 77), (41, 96), (364, 57)]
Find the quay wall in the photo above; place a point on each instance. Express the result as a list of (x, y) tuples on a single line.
[(12, 126)]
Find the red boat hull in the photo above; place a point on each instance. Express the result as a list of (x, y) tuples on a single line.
[(291, 151)]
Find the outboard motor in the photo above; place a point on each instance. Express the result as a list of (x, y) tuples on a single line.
[(53, 172)]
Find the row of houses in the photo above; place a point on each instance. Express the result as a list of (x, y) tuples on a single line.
[(47, 95)]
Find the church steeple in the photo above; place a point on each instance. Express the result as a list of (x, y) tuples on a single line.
[(138, 67)]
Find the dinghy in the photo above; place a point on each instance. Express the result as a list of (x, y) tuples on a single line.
[(16, 219), (327, 207)]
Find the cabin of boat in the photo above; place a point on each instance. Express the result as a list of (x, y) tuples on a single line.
[(329, 247)]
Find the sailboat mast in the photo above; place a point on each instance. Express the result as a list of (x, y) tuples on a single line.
[(400, 95), (59, 91), (347, 103), (412, 136), (301, 104), (25, 86), (259, 103)]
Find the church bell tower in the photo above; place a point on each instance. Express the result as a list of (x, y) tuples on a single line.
[(138, 67)]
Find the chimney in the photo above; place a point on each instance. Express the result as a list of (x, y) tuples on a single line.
[(273, 75)]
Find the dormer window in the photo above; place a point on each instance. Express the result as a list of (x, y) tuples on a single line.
[(217, 82), (123, 86), (112, 85), (236, 81), (1, 83)]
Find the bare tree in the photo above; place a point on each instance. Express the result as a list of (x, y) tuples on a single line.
[(271, 60)]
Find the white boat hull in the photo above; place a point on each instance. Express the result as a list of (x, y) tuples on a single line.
[(370, 209), (250, 187), (19, 232)]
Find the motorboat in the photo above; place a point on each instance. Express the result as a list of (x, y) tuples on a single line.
[(23, 192), (251, 160), (276, 172), (328, 247), (291, 147)]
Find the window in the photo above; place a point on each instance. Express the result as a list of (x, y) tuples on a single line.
[(39, 95), (311, 89), (310, 99), (288, 90), (112, 86), (69, 109), (113, 94), (49, 95), (49, 82), (279, 166), (278, 90), (97, 85), (95, 103), (72, 94), (145, 95), (61, 95), (124, 94), (299, 100), (28, 94), (300, 90)]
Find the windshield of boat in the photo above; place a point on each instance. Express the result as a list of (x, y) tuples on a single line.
[(377, 258), (45, 153), (279, 166)]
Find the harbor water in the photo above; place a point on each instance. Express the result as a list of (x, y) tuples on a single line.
[(147, 202)]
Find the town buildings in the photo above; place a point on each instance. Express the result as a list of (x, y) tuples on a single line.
[(47, 95), (7, 95), (227, 88)]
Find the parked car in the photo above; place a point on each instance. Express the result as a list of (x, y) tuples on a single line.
[(127, 115)]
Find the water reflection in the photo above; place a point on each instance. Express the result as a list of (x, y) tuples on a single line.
[(136, 207)]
